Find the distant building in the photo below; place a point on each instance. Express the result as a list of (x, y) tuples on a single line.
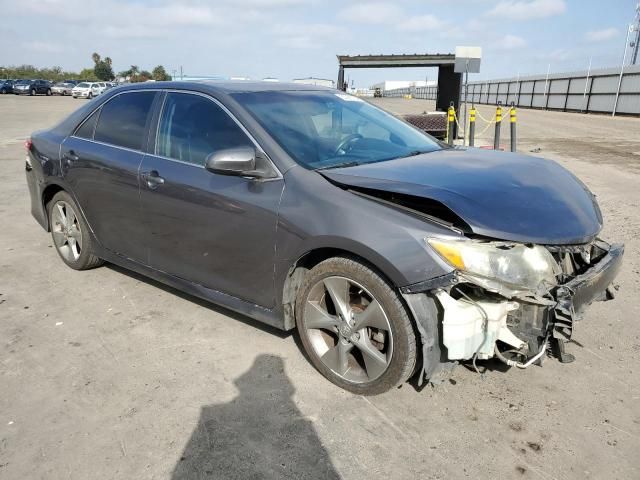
[(393, 84), (322, 82)]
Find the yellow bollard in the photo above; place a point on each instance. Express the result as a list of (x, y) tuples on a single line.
[(451, 122), (512, 120), (472, 125), (496, 137)]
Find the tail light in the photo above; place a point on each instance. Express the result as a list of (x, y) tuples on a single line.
[(28, 144)]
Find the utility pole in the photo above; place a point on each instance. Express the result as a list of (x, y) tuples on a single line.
[(636, 42), (624, 57)]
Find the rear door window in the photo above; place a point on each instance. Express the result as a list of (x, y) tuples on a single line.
[(193, 127), (123, 120)]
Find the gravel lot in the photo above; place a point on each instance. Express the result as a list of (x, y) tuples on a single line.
[(104, 374)]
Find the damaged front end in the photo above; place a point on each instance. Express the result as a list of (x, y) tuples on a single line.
[(512, 301)]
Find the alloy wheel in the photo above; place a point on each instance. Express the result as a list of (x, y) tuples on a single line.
[(67, 234), (348, 329)]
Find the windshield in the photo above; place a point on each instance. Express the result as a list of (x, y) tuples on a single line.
[(325, 129), (83, 85), (23, 82)]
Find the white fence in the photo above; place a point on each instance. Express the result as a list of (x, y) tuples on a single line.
[(593, 91)]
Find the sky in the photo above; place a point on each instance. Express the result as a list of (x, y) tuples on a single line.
[(290, 39)]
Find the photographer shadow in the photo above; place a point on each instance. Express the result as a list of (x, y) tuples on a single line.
[(259, 434)]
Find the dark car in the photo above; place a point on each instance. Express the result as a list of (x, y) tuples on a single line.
[(6, 86), (309, 209), (32, 87)]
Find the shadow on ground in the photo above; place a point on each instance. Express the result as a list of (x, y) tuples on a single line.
[(259, 434)]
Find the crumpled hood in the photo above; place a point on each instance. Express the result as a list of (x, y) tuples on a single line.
[(500, 195)]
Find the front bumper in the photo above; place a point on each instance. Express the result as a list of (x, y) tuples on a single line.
[(576, 295), (477, 323)]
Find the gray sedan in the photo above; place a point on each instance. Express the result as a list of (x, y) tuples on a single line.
[(62, 88), (391, 254)]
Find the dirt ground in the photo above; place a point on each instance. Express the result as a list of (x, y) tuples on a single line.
[(108, 375)]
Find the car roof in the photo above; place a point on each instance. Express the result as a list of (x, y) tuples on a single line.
[(228, 87)]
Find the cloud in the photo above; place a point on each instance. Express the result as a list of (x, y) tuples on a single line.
[(601, 35), (527, 9), (371, 13), (423, 23), (510, 42), (45, 47), (557, 55), (310, 36)]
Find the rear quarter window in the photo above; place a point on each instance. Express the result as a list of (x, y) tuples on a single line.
[(123, 120), (86, 129)]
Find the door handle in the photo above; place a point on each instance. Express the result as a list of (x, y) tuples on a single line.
[(70, 157), (153, 179)]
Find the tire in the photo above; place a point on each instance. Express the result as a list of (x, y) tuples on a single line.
[(48, 92), (388, 329), (4, 91), (70, 233), (90, 96), (32, 92)]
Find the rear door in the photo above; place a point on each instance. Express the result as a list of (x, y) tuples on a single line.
[(100, 161), (210, 229)]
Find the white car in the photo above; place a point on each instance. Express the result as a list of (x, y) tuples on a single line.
[(88, 89)]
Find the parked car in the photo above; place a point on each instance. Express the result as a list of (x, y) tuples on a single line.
[(6, 86), (88, 89), (391, 253), (62, 88), (32, 87)]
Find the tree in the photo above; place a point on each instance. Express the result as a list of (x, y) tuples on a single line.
[(88, 74), (160, 74), (103, 71), (95, 57)]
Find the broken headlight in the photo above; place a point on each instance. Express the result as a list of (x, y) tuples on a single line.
[(513, 264)]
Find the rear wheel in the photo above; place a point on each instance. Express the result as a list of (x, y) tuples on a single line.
[(32, 92), (354, 327), (48, 92), (4, 91), (70, 233)]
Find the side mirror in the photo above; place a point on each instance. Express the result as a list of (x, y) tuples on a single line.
[(239, 161)]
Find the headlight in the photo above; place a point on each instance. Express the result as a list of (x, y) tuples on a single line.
[(516, 265)]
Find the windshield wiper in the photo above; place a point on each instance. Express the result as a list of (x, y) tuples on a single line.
[(340, 165)]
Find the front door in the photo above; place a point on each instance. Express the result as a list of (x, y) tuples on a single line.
[(214, 230)]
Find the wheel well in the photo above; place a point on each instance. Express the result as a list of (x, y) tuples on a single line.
[(47, 195), (298, 270)]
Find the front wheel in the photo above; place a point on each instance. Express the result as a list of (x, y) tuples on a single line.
[(48, 92), (354, 327), (70, 233), (90, 96), (4, 91), (32, 92)]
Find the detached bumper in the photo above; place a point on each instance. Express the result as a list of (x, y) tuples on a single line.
[(576, 295)]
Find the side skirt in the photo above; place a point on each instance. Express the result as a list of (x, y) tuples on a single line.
[(264, 315)]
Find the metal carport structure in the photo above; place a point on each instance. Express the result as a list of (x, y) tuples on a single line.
[(449, 82)]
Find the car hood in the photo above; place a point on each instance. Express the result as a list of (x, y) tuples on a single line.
[(500, 195)]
